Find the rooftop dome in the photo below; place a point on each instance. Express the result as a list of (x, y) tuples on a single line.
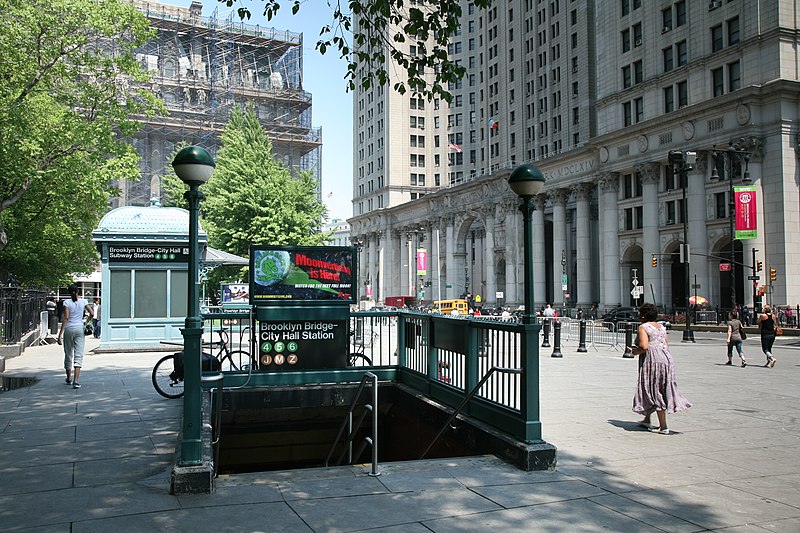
[(152, 220)]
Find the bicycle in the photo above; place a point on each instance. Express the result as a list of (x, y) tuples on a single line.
[(358, 357), (167, 373)]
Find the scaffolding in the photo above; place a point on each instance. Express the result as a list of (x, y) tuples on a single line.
[(202, 68)]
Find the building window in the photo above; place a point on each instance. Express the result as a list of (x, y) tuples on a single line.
[(717, 82), (639, 107), (734, 76), (626, 76), (721, 205), (716, 38), (639, 217), (628, 219), (671, 212), (638, 72), (637, 34), (626, 114), (666, 19), (626, 7), (680, 13), (683, 94), (733, 31), (669, 60), (669, 100), (682, 53), (626, 40)]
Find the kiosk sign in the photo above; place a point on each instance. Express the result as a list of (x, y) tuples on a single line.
[(148, 254), (302, 344)]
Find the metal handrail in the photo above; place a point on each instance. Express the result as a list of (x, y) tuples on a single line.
[(466, 400), (351, 430), (215, 390)]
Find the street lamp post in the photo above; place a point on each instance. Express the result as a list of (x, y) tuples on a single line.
[(194, 166), (730, 156), (683, 162), (526, 181)]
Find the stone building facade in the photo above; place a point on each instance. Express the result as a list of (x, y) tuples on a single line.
[(596, 94)]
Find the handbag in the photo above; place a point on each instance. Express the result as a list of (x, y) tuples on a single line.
[(742, 334), (778, 331)]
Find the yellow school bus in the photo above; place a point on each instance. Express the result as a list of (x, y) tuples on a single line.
[(446, 307)]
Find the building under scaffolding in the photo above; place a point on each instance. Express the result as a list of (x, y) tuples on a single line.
[(202, 67)]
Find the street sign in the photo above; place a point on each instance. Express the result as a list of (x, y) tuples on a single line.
[(635, 282), (724, 267), (637, 291), (695, 285), (754, 278), (564, 287), (563, 279)]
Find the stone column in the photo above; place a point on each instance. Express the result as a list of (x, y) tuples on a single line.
[(651, 172), (558, 198), (513, 251), (583, 197), (699, 264), (478, 266), (610, 290), (491, 285), (539, 266), (371, 245), (450, 253)]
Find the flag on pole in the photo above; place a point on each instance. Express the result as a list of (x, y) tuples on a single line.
[(456, 147), (330, 194), (493, 124)]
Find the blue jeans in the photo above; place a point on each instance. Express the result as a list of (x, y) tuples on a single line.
[(96, 328), (731, 345)]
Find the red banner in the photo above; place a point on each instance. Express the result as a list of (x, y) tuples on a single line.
[(746, 212)]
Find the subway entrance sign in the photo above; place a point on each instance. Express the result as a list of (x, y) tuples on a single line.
[(302, 297)]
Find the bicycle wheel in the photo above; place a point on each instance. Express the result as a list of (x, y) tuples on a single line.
[(358, 359), (165, 379), (236, 361)]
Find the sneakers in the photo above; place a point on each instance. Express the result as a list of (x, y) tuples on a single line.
[(660, 431), (76, 385), (68, 381)]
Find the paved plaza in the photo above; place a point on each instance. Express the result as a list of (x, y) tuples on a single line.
[(97, 459)]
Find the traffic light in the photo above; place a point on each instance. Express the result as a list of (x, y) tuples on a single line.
[(654, 261), (773, 274), (759, 266)]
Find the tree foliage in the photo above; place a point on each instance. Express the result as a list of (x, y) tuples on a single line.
[(364, 31), (65, 100), (251, 197)]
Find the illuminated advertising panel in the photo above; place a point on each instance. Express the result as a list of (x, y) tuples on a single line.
[(302, 275)]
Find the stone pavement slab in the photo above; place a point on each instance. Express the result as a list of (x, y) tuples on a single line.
[(99, 458)]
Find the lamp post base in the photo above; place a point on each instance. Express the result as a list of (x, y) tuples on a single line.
[(688, 335)]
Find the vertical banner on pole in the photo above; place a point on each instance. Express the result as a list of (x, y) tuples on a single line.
[(422, 262), (746, 211)]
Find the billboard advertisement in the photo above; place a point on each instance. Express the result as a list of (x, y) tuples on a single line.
[(302, 275), (235, 293)]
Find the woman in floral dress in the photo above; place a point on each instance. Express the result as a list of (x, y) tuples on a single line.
[(656, 389)]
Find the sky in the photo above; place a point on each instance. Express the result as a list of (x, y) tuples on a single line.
[(323, 77)]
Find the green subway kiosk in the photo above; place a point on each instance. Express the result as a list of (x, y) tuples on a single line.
[(144, 258)]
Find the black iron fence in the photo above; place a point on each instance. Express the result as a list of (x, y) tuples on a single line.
[(20, 312)]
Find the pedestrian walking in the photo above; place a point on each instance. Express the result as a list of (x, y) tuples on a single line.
[(656, 387), (96, 318), (73, 335), (766, 327), (735, 338)]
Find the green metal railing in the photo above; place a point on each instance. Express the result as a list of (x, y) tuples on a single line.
[(440, 356)]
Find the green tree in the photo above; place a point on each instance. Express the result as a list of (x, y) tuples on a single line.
[(364, 31), (66, 98)]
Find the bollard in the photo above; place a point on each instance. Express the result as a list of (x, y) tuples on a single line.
[(582, 337), (546, 333), (556, 339), (628, 341)]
